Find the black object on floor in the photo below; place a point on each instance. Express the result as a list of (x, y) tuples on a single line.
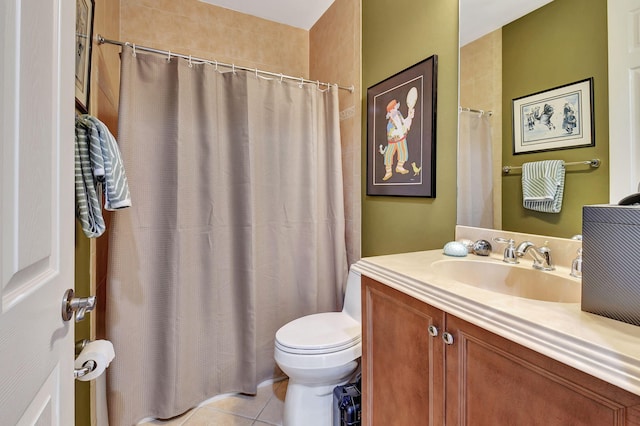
[(346, 404)]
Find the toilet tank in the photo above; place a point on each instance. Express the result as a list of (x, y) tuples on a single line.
[(352, 296)]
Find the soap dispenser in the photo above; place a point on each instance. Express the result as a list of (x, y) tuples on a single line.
[(576, 265)]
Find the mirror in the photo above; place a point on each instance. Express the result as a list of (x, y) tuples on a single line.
[(532, 47)]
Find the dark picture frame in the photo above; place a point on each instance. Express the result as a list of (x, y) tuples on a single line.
[(84, 37), (401, 144), (557, 118)]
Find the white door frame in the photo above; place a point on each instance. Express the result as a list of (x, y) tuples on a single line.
[(624, 97)]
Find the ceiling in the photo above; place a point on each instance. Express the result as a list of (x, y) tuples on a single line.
[(296, 13), (477, 17)]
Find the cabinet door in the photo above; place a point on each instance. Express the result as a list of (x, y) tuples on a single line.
[(402, 363), (493, 381)]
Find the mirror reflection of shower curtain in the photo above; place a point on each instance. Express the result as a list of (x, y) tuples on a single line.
[(237, 227), (475, 182)]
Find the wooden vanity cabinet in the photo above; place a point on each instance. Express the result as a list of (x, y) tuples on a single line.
[(412, 378), (402, 364)]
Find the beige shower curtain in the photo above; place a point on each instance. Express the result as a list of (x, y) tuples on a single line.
[(475, 170), (237, 227)]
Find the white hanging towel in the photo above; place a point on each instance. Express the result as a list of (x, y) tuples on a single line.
[(543, 185), (98, 169)]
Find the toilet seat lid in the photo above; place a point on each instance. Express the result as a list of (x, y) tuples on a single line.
[(319, 333)]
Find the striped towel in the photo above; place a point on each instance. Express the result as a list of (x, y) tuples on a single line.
[(98, 170), (543, 185)]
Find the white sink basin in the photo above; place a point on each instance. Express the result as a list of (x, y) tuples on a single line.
[(516, 280)]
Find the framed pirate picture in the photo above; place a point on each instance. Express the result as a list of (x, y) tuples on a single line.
[(401, 129)]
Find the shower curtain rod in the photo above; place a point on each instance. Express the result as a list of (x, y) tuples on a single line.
[(489, 113), (102, 40)]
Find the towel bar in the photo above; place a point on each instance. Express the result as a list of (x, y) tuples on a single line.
[(594, 163)]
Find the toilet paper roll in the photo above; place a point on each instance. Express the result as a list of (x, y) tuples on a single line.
[(100, 351)]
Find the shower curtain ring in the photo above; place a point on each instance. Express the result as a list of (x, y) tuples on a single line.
[(190, 63), (281, 77), (169, 57), (216, 65), (256, 73), (134, 50), (233, 68), (301, 82)]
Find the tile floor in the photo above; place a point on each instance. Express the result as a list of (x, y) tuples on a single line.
[(265, 408)]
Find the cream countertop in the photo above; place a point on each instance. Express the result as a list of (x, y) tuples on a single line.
[(602, 347)]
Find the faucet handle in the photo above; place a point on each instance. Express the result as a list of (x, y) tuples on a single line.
[(509, 251), (545, 252), (576, 265)]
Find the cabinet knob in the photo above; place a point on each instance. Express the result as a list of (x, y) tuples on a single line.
[(448, 338), (433, 330)]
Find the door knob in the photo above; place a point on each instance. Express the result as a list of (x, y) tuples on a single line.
[(79, 305)]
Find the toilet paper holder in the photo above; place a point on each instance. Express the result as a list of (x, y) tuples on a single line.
[(92, 358), (86, 368)]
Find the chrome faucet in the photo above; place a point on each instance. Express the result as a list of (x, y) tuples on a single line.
[(509, 251), (576, 265), (541, 256)]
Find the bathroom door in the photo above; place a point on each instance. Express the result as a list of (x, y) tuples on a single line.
[(624, 97), (36, 210)]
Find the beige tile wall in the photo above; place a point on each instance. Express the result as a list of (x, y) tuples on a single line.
[(335, 57), (481, 88), (195, 28)]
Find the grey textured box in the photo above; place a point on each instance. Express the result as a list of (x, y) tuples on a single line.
[(611, 261)]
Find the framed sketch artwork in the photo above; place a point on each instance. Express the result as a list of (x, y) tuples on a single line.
[(401, 126), (84, 35), (558, 118)]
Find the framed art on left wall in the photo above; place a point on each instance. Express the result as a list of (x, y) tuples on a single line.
[(84, 35), (401, 131)]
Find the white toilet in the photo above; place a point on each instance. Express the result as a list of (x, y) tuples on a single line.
[(319, 352)]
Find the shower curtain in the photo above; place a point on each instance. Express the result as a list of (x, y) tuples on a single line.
[(475, 182), (237, 227)]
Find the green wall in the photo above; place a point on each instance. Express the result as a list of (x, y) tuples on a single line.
[(395, 35), (82, 329), (560, 43)]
